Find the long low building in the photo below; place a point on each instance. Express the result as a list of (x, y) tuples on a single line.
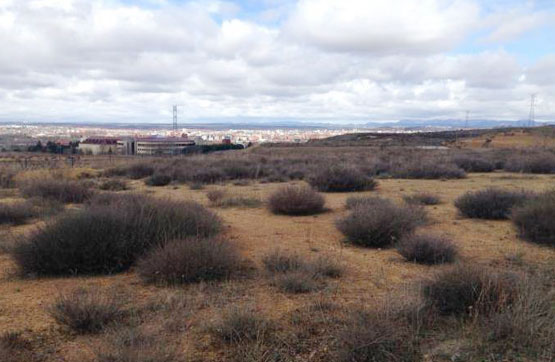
[(98, 146), (161, 145)]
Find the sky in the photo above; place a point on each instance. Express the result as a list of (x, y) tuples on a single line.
[(334, 61)]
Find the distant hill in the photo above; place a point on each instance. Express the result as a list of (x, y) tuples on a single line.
[(456, 123)]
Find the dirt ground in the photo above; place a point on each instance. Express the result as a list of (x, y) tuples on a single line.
[(370, 273)]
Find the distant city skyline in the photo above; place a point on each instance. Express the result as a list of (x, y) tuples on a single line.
[(267, 61)]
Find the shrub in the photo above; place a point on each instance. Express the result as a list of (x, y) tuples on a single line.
[(367, 201), (59, 190), (296, 200), (134, 171), (215, 196), (297, 282), (14, 348), (527, 328), (240, 201), (189, 261), (494, 204), (470, 290), (130, 345), (240, 324), (422, 199), (532, 163), (281, 262), (474, 163), (535, 219), (87, 311), (427, 249), (110, 234), (380, 227), (428, 170), (158, 180), (341, 179), (7, 179), (16, 213), (383, 335), (113, 185)]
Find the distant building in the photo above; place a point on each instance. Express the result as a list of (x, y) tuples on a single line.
[(162, 145), (98, 146), (126, 146)]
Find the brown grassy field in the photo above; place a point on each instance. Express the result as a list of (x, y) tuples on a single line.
[(371, 277)]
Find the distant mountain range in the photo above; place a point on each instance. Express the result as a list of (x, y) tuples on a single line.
[(456, 123), (294, 124)]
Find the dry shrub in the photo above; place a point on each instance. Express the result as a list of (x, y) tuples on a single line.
[(428, 170), (298, 282), (59, 190), (474, 163), (131, 345), (158, 179), (380, 335), (367, 201), (189, 261), (422, 198), (535, 219), (470, 290), (16, 213), (494, 204), (113, 185), (109, 235), (240, 201), (7, 179), (292, 273), (382, 226), (341, 179), (527, 328), (542, 162), (216, 196), (427, 249), (239, 325), (296, 200), (134, 171), (14, 347), (87, 311)]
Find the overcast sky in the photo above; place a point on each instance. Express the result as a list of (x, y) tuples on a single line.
[(315, 60)]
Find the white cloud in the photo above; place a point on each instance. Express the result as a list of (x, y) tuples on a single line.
[(337, 60)]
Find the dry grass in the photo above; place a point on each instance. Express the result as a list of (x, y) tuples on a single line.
[(167, 334)]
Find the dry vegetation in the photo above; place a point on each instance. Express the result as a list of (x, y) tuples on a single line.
[(181, 259)]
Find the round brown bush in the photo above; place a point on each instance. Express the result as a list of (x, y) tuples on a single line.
[(494, 204), (296, 200), (341, 179), (422, 198), (368, 201), (189, 261), (382, 226), (535, 220), (427, 249), (109, 235), (467, 289)]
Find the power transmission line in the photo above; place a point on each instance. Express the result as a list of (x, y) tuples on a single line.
[(532, 111)]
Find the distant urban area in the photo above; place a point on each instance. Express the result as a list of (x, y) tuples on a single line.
[(146, 140)]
